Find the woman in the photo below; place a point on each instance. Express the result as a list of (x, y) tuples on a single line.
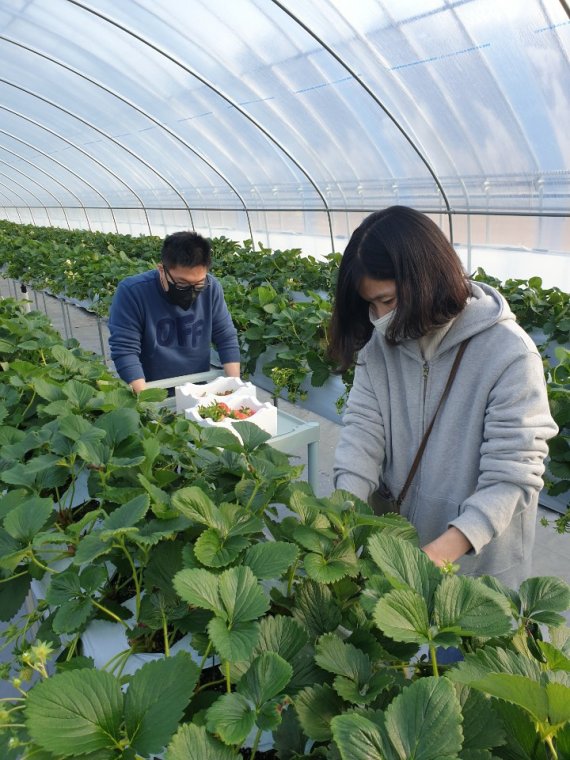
[(405, 304)]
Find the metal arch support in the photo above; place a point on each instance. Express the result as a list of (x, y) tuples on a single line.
[(379, 103), (46, 155), (24, 204), (14, 168), (119, 97), (95, 129), (78, 148), (228, 100), (12, 206)]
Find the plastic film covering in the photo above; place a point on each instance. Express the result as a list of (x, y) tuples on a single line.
[(234, 113)]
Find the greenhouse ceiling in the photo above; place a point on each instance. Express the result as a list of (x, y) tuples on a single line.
[(250, 106)]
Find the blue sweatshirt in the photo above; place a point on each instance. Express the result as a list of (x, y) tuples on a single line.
[(153, 339)]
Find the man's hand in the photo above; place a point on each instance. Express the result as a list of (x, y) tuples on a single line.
[(138, 385), (231, 369)]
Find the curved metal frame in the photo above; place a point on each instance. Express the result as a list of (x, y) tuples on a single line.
[(16, 209), (39, 184), (59, 163), (54, 179), (95, 129), (25, 205), (76, 147), (378, 102), (225, 97)]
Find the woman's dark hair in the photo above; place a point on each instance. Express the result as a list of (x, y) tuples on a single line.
[(186, 249), (400, 244)]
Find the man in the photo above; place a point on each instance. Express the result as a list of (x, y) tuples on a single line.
[(163, 322)]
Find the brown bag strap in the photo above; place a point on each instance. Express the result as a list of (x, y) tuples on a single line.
[(423, 444)]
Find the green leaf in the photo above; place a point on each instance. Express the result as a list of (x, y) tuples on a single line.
[(199, 588), (71, 615), (193, 503), (424, 721), (316, 706), (127, 515), (11, 551), (482, 726), (251, 435), (231, 717), (221, 437), (265, 678), (79, 394), (336, 656), (79, 429), (558, 703), (321, 570), (522, 740), (283, 635), (519, 690), (28, 518), (555, 659), (270, 559), (234, 644), (358, 738), (74, 713), (65, 358), (93, 452), (192, 742), (156, 699), (13, 595), (470, 608), (119, 424), (404, 565), (47, 390), (545, 593), (403, 616), (89, 548), (315, 609), (241, 595), (493, 660), (215, 550)]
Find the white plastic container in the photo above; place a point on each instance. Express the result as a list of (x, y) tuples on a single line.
[(190, 394), (264, 416)]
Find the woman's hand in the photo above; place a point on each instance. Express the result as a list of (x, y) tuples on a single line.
[(448, 547)]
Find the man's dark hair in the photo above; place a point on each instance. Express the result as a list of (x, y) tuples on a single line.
[(186, 249), (400, 244)]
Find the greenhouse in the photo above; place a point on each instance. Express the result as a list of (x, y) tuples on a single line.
[(284, 380)]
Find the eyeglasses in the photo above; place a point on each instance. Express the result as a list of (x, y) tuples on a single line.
[(198, 288)]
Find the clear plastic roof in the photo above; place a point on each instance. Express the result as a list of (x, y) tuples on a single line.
[(251, 106)]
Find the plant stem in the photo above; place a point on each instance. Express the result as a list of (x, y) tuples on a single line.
[(255, 743), (433, 655), (116, 618), (253, 495), (11, 578), (136, 579), (73, 647), (291, 577), (39, 564), (228, 681), (553, 752), (210, 683), (165, 635), (206, 655)]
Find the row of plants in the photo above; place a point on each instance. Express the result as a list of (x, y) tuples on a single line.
[(306, 627), (281, 303)]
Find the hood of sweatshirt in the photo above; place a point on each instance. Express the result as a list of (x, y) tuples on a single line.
[(485, 308)]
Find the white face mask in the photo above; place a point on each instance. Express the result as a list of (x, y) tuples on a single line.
[(381, 324)]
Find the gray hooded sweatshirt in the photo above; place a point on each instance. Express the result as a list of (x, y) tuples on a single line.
[(482, 468)]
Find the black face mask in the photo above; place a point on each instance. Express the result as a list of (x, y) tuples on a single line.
[(184, 298)]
